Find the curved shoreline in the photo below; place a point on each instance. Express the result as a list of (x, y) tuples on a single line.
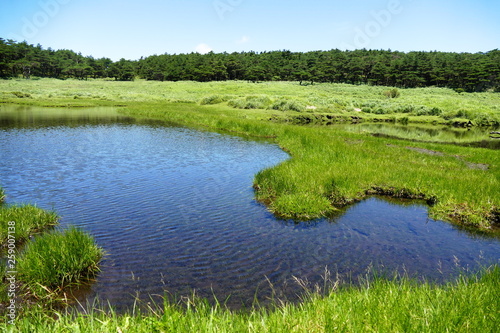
[(484, 218), (329, 167)]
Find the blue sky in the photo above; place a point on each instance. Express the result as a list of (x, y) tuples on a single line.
[(131, 29)]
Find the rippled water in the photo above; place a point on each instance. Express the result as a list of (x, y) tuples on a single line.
[(174, 209)]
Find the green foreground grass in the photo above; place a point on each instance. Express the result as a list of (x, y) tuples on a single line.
[(331, 168), (56, 260), (469, 304)]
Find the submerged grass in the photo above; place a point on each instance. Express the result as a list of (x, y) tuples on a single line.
[(469, 304), (56, 260), (24, 220)]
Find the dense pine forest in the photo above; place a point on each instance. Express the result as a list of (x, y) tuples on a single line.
[(461, 71)]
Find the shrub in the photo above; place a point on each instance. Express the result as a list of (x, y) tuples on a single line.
[(463, 114), (20, 94), (487, 120), (287, 105), (435, 111), (263, 99), (250, 102), (237, 103), (405, 109), (393, 93), (212, 99), (381, 110), (404, 120)]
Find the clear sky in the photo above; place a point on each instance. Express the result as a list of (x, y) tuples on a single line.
[(135, 28)]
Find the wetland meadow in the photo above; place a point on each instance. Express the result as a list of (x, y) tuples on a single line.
[(258, 207)]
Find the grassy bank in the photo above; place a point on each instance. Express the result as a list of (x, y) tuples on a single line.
[(24, 220), (285, 100), (469, 304), (56, 260), (50, 263), (330, 167)]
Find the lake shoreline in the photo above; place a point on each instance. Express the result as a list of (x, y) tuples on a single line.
[(286, 194), (330, 168)]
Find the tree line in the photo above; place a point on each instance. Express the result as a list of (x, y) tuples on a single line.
[(465, 71)]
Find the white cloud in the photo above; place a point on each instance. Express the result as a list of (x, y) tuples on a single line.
[(243, 40), (203, 48)]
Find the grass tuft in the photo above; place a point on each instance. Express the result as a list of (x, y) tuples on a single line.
[(24, 220), (56, 260)]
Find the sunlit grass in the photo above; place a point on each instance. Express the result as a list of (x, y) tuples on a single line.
[(329, 167), (468, 304), (421, 104), (56, 260), (23, 220)]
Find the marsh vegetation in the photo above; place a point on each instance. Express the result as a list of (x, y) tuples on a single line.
[(330, 168), (382, 304)]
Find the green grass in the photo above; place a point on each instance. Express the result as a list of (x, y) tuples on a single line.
[(330, 166), (56, 260), (424, 133), (420, 105), (24, 220), (43, 265), (469, 304)]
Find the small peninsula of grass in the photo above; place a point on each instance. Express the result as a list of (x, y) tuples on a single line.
[(41, 264), (329, 167)]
